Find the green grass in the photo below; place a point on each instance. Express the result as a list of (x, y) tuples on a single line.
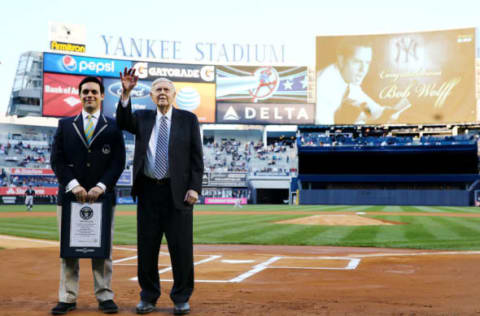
[(420, 232)]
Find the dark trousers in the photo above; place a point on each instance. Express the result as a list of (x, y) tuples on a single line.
[(156, 216)]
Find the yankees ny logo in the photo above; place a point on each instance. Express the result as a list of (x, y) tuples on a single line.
[(406, 47)]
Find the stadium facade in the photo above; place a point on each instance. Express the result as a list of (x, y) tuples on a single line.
[(278, 134)]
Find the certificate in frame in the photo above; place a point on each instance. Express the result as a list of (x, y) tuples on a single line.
[(85, 228)]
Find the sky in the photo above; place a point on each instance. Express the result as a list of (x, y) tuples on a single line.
[(294, 24)]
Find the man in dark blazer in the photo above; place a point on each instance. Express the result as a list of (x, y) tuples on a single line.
[(88, 157), (167, 178)]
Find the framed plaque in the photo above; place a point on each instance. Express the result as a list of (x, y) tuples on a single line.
[(85, 228)]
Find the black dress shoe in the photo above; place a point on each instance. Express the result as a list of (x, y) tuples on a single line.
[(145, 307), (108, 307), (63, 308), (181, 308)]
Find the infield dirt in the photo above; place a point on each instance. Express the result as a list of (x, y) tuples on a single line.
[(305, 281)]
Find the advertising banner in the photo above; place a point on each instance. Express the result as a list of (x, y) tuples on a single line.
[(265, 113), (82, 65), (125, 178), (60, 95), (21, 190), (198, 98), (140, 96), (225, 179), (69, 47), (175, 72), (31, 172), (210, 200), (266, 84), (412, 78)]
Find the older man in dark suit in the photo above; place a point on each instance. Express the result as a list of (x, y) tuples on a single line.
[(88, 157), (167, 178)]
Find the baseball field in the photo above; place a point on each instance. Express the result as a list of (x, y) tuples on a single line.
[(270, 260)]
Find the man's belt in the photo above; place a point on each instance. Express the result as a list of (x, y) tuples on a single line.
[(157, 181)]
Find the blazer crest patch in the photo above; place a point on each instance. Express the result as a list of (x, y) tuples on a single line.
[(106, 149)]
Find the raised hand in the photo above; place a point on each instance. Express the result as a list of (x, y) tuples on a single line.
[(129, 81)]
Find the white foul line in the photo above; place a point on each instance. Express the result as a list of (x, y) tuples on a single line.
[(124, 259), (256, 269), (123, 248), (41, 241), (373, 255), (211, 258)]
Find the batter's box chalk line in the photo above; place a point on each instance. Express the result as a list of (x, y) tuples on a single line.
[(351, 264)]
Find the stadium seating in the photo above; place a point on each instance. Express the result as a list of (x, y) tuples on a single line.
[(379, 165)]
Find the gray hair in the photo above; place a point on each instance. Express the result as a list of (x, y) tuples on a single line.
[(158, 80)]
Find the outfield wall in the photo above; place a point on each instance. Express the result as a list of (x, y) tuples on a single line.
[(387, 197)]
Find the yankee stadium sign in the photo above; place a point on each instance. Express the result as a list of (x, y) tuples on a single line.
[(204, 52)]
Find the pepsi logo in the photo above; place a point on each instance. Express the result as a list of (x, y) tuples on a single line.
[(69, 63)]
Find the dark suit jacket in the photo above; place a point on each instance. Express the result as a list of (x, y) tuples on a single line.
[(101, 161), (185, 155)]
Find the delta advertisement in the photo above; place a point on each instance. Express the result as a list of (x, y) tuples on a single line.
[(265, 113), (196, 97), (60, 95), (265, 84), (411, 78)]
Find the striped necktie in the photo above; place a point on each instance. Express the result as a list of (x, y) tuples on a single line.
[(89, 129), (161, 152)]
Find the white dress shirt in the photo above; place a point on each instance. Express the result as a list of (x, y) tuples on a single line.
[(149, 167), (74, 182)]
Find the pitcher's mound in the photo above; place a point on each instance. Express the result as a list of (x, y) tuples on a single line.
[(336, 220)]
